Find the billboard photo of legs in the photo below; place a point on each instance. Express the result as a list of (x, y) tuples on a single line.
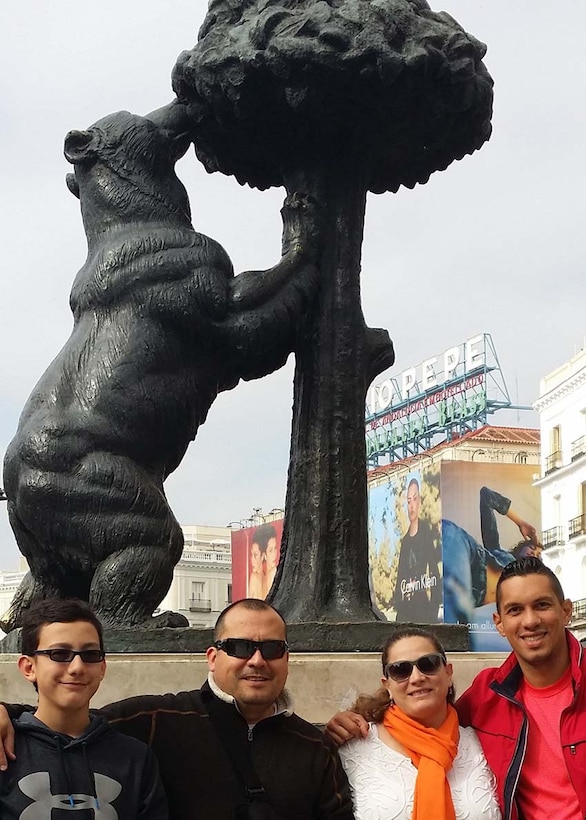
[(489, 513)]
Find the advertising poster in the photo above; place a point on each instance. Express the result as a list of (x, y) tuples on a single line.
[(487, 509), (405, 547), (256, 552)]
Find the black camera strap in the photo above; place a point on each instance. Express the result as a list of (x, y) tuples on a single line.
[(237, 752)]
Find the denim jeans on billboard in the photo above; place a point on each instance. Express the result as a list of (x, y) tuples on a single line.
[(465, 559)]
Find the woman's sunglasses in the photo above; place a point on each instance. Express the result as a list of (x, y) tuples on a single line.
[(427, 665), (244, 649)]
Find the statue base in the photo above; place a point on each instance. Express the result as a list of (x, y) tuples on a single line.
[(307, 637)]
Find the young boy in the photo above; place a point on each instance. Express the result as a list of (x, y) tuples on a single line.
[(66, 759)]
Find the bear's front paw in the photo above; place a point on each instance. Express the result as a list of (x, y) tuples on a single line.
[(301, 225)]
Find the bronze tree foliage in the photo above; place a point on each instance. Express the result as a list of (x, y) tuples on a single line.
[(333, 98)]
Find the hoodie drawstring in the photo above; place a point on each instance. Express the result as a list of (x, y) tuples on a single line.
[(66, 774), (91, 774), (59, 743)]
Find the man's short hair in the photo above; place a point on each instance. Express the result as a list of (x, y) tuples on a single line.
[(252, 604), (528, 566), (51, 611)]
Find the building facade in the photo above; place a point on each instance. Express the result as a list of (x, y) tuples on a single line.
[(9, 583), (562, 482)]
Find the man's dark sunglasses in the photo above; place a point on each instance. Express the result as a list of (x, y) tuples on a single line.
[(67, 655), (244, 649), (427, 665)]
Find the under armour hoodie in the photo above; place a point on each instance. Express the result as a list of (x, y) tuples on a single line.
[(101, 774)]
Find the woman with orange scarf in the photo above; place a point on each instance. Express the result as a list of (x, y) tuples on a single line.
[(417, 763)]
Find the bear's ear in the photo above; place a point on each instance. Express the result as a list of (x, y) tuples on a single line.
[(78, 146)]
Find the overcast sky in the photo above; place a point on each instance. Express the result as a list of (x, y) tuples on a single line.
[(496, 243)]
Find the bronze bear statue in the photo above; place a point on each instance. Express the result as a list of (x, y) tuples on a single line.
[(161, 326)]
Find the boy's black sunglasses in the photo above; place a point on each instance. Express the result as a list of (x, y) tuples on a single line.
[(427, 665), (244, 649), (67, 655)]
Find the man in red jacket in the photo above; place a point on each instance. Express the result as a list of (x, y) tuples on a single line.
[(529, 713)]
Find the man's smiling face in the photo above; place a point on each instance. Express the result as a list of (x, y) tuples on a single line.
[(533, 620), (255, 683)]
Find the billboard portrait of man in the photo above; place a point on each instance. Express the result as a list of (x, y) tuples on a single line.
[(404, 545), (418, 592)]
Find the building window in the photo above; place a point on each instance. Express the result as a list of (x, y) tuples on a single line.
[(554, 460), (198, 602), (556, 439), (198, 589), (229, 594)]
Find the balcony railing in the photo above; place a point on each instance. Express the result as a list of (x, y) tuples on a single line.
[(206, 557), (553, 462), (577, 526), (578, 448), (553, 537), (200, 605), (579, 610)]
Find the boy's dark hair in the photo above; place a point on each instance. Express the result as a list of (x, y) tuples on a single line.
[(528, 566), (252, 604), (54, 610)]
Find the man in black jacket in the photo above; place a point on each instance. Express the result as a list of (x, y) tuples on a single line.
[(243, 706)]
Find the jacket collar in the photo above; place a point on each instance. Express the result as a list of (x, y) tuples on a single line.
[(508, 676), (283, 705)]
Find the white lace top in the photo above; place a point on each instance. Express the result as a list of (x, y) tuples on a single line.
[(383, 780)]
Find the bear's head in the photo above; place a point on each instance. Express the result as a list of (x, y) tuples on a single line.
[(125, 170)]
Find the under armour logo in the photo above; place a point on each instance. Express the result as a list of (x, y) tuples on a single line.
[(37, 786)]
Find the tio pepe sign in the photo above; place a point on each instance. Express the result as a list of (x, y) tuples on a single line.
[(429, 375)]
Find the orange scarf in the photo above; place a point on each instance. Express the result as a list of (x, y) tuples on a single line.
[(432, 752)]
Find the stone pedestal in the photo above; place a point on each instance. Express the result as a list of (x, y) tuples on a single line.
[(321, 683), (306, 637)]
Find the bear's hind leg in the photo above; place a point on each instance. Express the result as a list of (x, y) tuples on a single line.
[(128, 586)]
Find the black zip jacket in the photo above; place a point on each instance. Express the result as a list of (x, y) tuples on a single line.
[(296, 764)]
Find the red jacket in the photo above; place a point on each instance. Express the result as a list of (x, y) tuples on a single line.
[(491, 707)]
